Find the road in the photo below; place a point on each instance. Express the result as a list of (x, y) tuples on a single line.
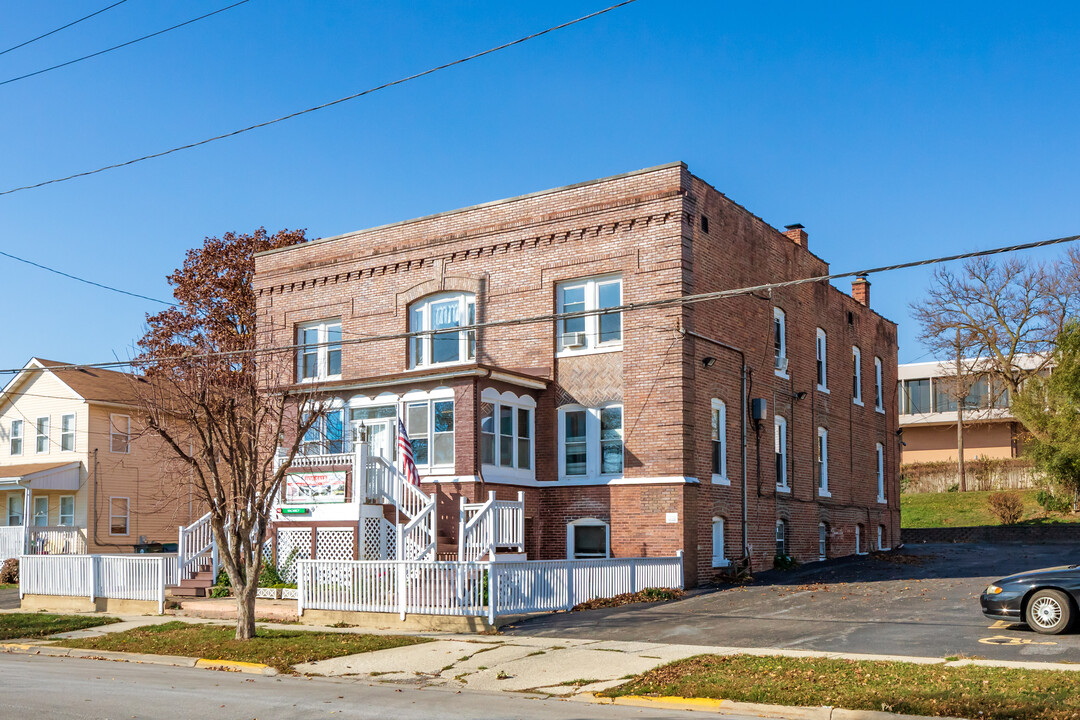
[(71, 689), (923, 600)]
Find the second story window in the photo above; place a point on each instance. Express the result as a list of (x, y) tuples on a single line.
[(120, 433), (67, 433), (856, 375), (780, 341), (438, 317), (823, 461), (879, 395), (41, 439), (16, 437), (780, 443), (590, 441), (822, 360), (719, 442), (590, 332), (319, 356)]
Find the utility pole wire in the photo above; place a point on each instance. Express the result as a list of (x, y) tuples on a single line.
[(62, 27), (551, 317), (84, 280), (317, 107)]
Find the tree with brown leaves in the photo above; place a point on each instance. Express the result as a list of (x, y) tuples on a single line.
[(214, 404)]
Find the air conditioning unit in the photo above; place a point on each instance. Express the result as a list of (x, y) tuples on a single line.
[(573, 340), (781, 364)]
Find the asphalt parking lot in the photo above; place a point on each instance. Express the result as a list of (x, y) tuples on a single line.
[(921, 600)]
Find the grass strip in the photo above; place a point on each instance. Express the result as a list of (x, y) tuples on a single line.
[(967, 509), (15, 626), (969, 691), (278, 648)]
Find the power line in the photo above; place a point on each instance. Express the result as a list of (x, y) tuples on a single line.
[(122, 45), (317, 107), (551, 317), (62, 27), (84, 280)]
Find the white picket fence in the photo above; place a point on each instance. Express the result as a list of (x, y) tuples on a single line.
[(124, 577), (476, 588), (12, 542)]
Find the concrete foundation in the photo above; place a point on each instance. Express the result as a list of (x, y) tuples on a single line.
[(390, 621), (63, 603)]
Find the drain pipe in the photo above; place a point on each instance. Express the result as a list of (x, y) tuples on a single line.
[(742, 418)]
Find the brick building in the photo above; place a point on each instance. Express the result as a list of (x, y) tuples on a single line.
[(623, 429)]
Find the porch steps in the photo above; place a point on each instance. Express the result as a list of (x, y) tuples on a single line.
[(195, 586)]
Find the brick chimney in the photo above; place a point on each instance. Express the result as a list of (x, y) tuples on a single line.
[(796, 233), (860, 290)]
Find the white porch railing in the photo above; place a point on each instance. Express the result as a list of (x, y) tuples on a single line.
[(482, 527), (417, 537), (12, 542), (195, 548), (127, 577), (57, 540)]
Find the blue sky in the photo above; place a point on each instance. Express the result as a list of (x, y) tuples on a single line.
[(891, 133)]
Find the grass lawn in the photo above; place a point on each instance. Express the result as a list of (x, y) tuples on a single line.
[(34, 625), (9, 586), (971, 692), (967, 509), (278, 648)]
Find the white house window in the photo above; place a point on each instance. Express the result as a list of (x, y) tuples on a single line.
[(780, 443), (780, 341), (41, 437), (822, 367), (319, 357), (881, 538), (781, 537), (822, 541), (118, 516), (856, 375), (327, 435), (430, 424), (879, 458), (15, 509), (438, 317), (823, 462), (590, 332), (588, 538), (41, 511), (67, 510), (719, 442), (858, 540), (590, 441), (719, 558), (67, 433), (16, 437), (879, 400), (506, 433), (120, 433)]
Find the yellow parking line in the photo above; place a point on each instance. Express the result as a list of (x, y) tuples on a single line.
[(232, 664)]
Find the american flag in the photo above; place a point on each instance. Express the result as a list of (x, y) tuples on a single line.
[(408, 464)]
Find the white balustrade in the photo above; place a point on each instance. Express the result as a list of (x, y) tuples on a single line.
[(57, 540), (482, 527), (12, 539)]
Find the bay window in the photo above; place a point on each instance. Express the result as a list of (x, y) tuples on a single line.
[(438, 316), (590, 332), (590, 441), (430, 424), (319, 356), (506, 434)]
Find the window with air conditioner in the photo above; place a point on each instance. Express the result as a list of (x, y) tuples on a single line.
[(594, 330)]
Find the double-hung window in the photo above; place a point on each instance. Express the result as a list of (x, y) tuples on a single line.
[(41, 436), (327, 435), (598, 330), (822, 361), (438, 317), (719, 442), (67, 433), (879, 460), (823, 541), (879, 399), (16, 437), (780, 342), (823, 462), (319, 356), (781, 538), (430, 424), (856, 375), (506, 434), (118, 515), (590, 442), (67, 510), (120, 433), (41, 511), (780, 446), (15, 509)]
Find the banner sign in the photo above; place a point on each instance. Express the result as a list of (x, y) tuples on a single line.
[(315, 487)]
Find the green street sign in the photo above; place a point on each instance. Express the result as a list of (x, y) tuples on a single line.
[(295, 511)]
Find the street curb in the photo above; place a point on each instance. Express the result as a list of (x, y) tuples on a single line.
[(144, 658), (731, 707), (235, 666)]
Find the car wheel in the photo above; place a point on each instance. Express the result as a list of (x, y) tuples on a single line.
[(1049, 612)]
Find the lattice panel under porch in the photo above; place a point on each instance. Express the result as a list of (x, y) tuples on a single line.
[(293, 544)]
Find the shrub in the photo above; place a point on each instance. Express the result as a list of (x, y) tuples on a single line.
[(9, 572), (1052, 503), (268, 578), (1007, 507), (784, 562)]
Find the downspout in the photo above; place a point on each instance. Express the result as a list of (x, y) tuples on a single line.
[(742, 421)]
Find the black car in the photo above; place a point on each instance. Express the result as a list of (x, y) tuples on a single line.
[(1044, 599)]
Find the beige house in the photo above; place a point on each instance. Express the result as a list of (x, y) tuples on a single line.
[(76, 474)]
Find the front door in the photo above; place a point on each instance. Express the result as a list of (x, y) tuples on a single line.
[(378, 435)]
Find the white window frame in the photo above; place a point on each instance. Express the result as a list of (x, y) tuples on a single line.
[(321, 350), (879, 461), (780, 448), (858, 540), (68, 517), (67, 435), (856, 377), (591, 290), (780, 322), (881, 539), (319, 444), (718, 423), (589, 522), (781, 537), (823, 462), (516, 405), (34, 505), (16, 509), (126, 516), (823, 541), (879, 388), (41, 439), (719, 557), (429, 400), (421, 347), (114, 433), (16, 437), (593, 452), (822, 367)]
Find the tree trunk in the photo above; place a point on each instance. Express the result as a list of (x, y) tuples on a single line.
[(245, 610)]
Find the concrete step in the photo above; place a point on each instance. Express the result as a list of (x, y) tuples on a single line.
[(180, 591)]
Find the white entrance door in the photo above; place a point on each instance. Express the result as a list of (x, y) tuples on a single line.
[(379, 436)]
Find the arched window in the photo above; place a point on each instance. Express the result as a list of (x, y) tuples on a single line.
[(588, 538), (719, 557), (437, 316)]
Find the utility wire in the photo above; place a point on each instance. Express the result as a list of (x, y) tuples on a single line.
[(121, 45), (550, 317), (62, 27), (317, 107), (84, 280)]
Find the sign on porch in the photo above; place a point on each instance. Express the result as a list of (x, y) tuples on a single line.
[(315, 487)]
